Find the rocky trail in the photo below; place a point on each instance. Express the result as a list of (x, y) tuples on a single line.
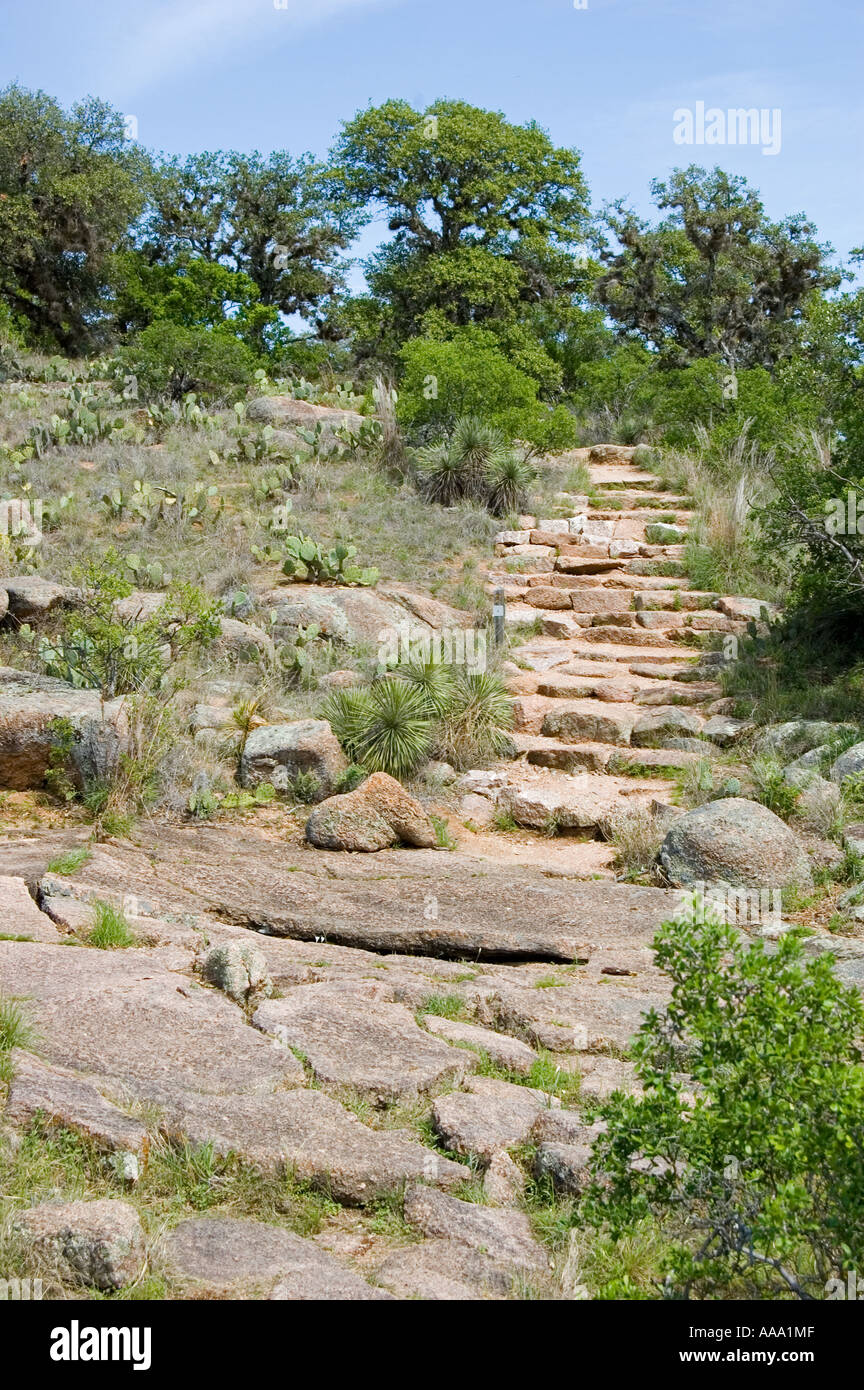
[(402, 1065), (392, 1026), (615, 693)]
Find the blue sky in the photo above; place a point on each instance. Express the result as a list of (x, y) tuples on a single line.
[(214, 74)]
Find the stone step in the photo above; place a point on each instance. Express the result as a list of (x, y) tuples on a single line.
[(587, 599), (629, 579), (675, 692), (635, 497), (601, 473), (690, 600), (537, 552), (640, 516), (657, 670), (746, 608), (662, 552), (638, 758), (626, 636), (572, 801), (609, 651), (591, 721), (582, 564), (540, 751), (563, 686), (674, 623), (615, 578)]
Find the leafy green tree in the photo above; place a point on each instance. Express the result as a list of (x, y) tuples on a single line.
[(102, 648), (279, 221), (193, 294), (746, 1144), (715, 278), (70, 186), (486, 217)]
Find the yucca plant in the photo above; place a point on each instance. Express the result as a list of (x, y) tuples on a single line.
[(435, 682), (440, 474), (387, 727), (348, 713), (480, 449), (477, 721), (476, 463), (399, 735), (510, 477)]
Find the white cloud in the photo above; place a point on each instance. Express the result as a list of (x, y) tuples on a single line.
[(184, 34)]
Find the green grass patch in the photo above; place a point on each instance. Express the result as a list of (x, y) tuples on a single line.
[(67, 863), (110, 930)]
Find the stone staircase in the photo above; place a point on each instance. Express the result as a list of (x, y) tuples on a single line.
[(614, 689)]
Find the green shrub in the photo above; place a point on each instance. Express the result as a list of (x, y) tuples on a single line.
[(745, 1144), (169, 360), (419, 710), (469, 374), (117, 655)]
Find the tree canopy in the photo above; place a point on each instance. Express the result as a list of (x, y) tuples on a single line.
[(486, 216), (70, 189), (716, 277)]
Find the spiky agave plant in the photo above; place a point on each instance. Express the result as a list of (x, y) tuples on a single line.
[(386, 727), (439, 474), (509, 478), (480, 449), (398, 735), (435, 682), (348, 713), (476, 724)]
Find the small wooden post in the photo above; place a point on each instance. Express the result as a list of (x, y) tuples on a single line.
[(499, 609)]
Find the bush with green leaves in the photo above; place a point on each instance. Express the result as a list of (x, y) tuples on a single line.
[(469, 374), (475, 463), (745, 1147), (167, 359), (815, 523), (421, 710), (101, 648)]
